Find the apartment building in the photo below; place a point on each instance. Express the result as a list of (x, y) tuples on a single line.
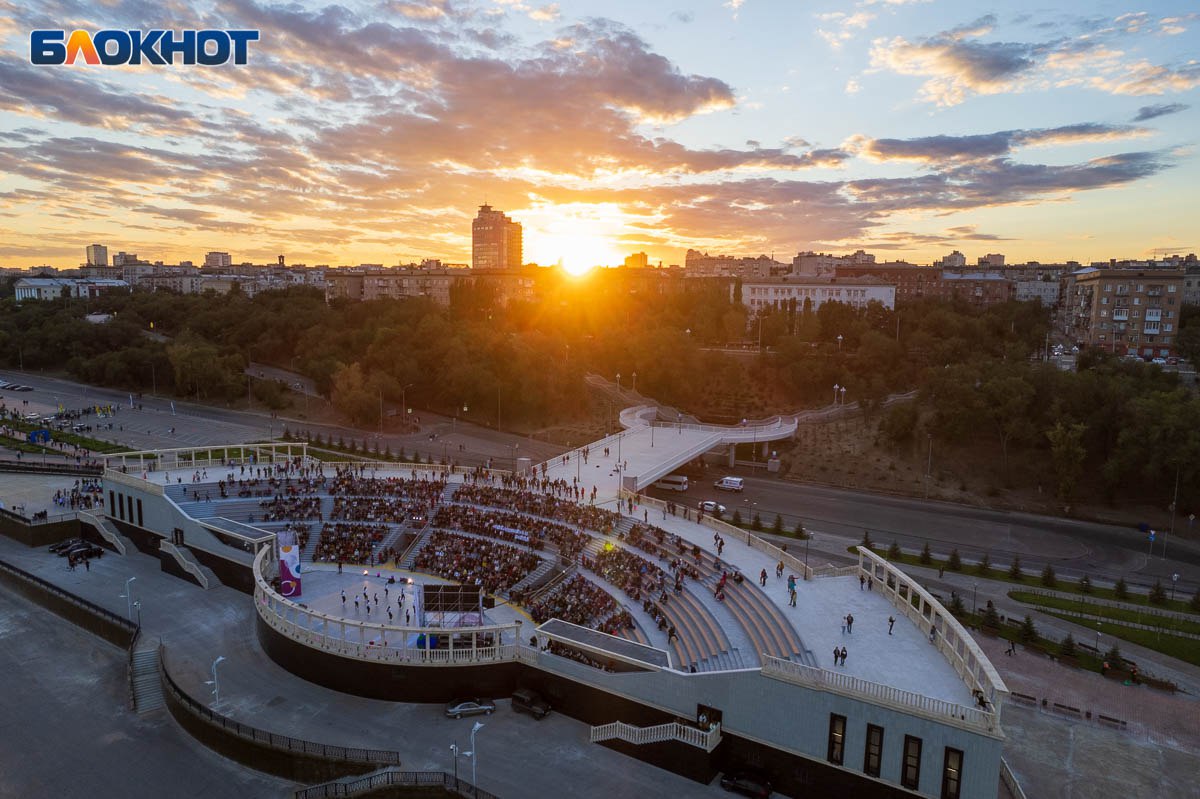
[(1126, 311), (803, 292)]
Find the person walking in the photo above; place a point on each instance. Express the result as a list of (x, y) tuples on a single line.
[(792, 597), (837, 656), (891, 624), (862, 582), (850, 623), (343, 597), (843, 625), (843, 656), (762, 578), (779, 569)]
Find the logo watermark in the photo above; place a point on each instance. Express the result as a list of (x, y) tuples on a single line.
[(207, 48)]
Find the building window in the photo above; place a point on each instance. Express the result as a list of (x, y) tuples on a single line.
[(112, 502), (837, 738), (1171, 289), (874, 751), (129, 507), (952, 774), (910, 772), (139, 510)]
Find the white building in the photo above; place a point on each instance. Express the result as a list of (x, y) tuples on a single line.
[(955, 260), (778, 293), (822, 264), (52, 288), (1046, 291), (218, 259), (992, 259)]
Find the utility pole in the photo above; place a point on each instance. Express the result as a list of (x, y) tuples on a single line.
[(1174, 504)]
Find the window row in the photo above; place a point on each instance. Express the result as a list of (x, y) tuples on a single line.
[(910, 766), (123, 506)]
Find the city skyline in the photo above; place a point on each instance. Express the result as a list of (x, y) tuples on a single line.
[(359, 133)]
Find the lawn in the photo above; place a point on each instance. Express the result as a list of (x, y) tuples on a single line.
[(1107, 611)]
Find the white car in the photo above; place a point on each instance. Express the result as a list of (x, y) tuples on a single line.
[(1159, 361), (708, 506), (729, 484)]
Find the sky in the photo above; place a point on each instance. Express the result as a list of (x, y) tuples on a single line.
[(369, 132)]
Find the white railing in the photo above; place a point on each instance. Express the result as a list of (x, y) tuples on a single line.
[(672, 731), (906, 701), (932, 618), (187, 565), (105, 529), (1010, 780), (116, 476), (381, 642)]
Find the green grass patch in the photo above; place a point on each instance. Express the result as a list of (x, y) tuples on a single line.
[(1108, 612), (73, 439), (971, 569), (1186, 649)]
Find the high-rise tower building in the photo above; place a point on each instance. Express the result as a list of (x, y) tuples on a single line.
[(496, 240), (97, 255)]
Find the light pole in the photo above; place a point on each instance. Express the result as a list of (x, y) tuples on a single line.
[(213, 682), (843, 396), (618, 381), (128, 597), (404, 400), (454, 748), (928, 463), (835, 394), (807, 539), (1097, 639), (474, 752), (635, 382), (1174, 579), (1174, 502), (974, 596), (839, 338)]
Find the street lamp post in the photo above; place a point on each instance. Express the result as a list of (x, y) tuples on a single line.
[(679, 419), (635, 382), (213, 682), (1174, 503), (839, 339), (835, 394), (1097, 639), (1174, 579), (128, 597), (618, 381), (974, 596), (843, 396), (928, 463), (807, 539), (475, 753)]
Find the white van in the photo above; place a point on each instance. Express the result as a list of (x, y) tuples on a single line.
[(673, 482), (730, 484)]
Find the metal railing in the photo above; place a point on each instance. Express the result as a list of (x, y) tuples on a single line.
[(91, 607), (907, 701), (187, 565), (283, 743), (671, 731), (391, 776)]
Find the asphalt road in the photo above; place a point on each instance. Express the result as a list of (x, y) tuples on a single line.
[(1073, 547), (164, 422)]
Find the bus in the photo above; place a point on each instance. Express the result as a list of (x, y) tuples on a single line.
[(673, 482)]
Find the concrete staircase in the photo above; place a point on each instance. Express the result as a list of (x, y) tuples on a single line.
[(109, 532), (724, 661), (392, 537), (543, 574), (205, 576), (448, 493), (411, 556), (144, 679), (310, 547)]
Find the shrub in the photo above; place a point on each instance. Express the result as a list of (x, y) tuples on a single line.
[(985, 565), (737, 518), (777, 527), (1029, 633), (955, 562), (756, 522), (1048, 578), (1113, 657), (926, 555), (1121, 590), (1195, 603), (957, 607), (893, 552), (1158, 595), (1066, 647), (1014, 569)]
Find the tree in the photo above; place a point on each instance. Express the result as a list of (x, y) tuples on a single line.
[(1114, 658), (926, 556), (957, 608), (893, 552), (955, 562), (985, 565), (899, 424), (1067, 454), (991, 619), (1014, 569), (1007, 402), (866, 540), (1066, 647), (801, 533), (1085, 584), (1121, 590), (1029, 632), (777, 527), (1195, 603), (1158, 595), (352, 396), (756, 522), (1048, 577), (737, 518)]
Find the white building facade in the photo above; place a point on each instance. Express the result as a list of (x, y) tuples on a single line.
[(811, 292)]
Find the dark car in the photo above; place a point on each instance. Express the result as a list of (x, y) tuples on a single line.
[(747, 782), (64, 545), (469, 707), (526, 700), (84, 550)]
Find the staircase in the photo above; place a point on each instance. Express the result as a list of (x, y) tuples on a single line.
[(624, 526), (672, 731), (411, 555), (310, 547), (448, 493), (723, 661), (393, 536), (144, 679), (109, 532), (204, 576), (543, 574)]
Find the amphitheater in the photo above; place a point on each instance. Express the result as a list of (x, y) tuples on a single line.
[(682, 641)]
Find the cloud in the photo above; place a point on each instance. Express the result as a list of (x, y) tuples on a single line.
[(735, 6), (853, 86), (1159, 110), (844, 26), (988, 145), (958, 63), (547, 13)]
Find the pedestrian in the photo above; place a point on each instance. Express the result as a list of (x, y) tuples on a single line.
[(343, 597), (406, 617), (837, 656), (779, 569), (339, 567), (356, 604), (389, 610), (762, 578), (377, 599), (87, 564), (941, 571), (850, 623), (843, 625), (843, 656), (870, 583), (862, 582), (792, 583), (792, 599), (891, 624)]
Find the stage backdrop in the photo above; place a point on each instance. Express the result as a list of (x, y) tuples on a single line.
[(289, 564)]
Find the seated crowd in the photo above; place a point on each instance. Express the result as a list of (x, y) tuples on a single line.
[(483, 521), (541, 504), (342, 542), (579, 601), (555, 648), (289, 508), (631, 573), (474, 561)]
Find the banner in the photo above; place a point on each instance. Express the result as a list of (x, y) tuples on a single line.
[(289, 564)]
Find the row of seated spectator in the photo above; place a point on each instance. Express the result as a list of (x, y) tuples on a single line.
[(473, 561), (342, 542), (299, 485), (579, 601), (352, 485), (631, 573), (555, 648), (484, 521), (541, 504), (376, 509), (283, 508)]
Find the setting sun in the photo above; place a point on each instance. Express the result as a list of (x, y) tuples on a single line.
[(580, 236)]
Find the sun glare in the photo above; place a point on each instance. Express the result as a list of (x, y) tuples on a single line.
[(580, 236)]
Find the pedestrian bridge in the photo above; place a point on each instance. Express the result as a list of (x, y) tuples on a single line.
[(648, 449)]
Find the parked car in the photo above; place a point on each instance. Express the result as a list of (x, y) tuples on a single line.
[(527, 700), (730, 484), (84, 550), (747, 782), (1159, 361), (64, 545), (469, 707), (708, 506), (1172, 361)]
